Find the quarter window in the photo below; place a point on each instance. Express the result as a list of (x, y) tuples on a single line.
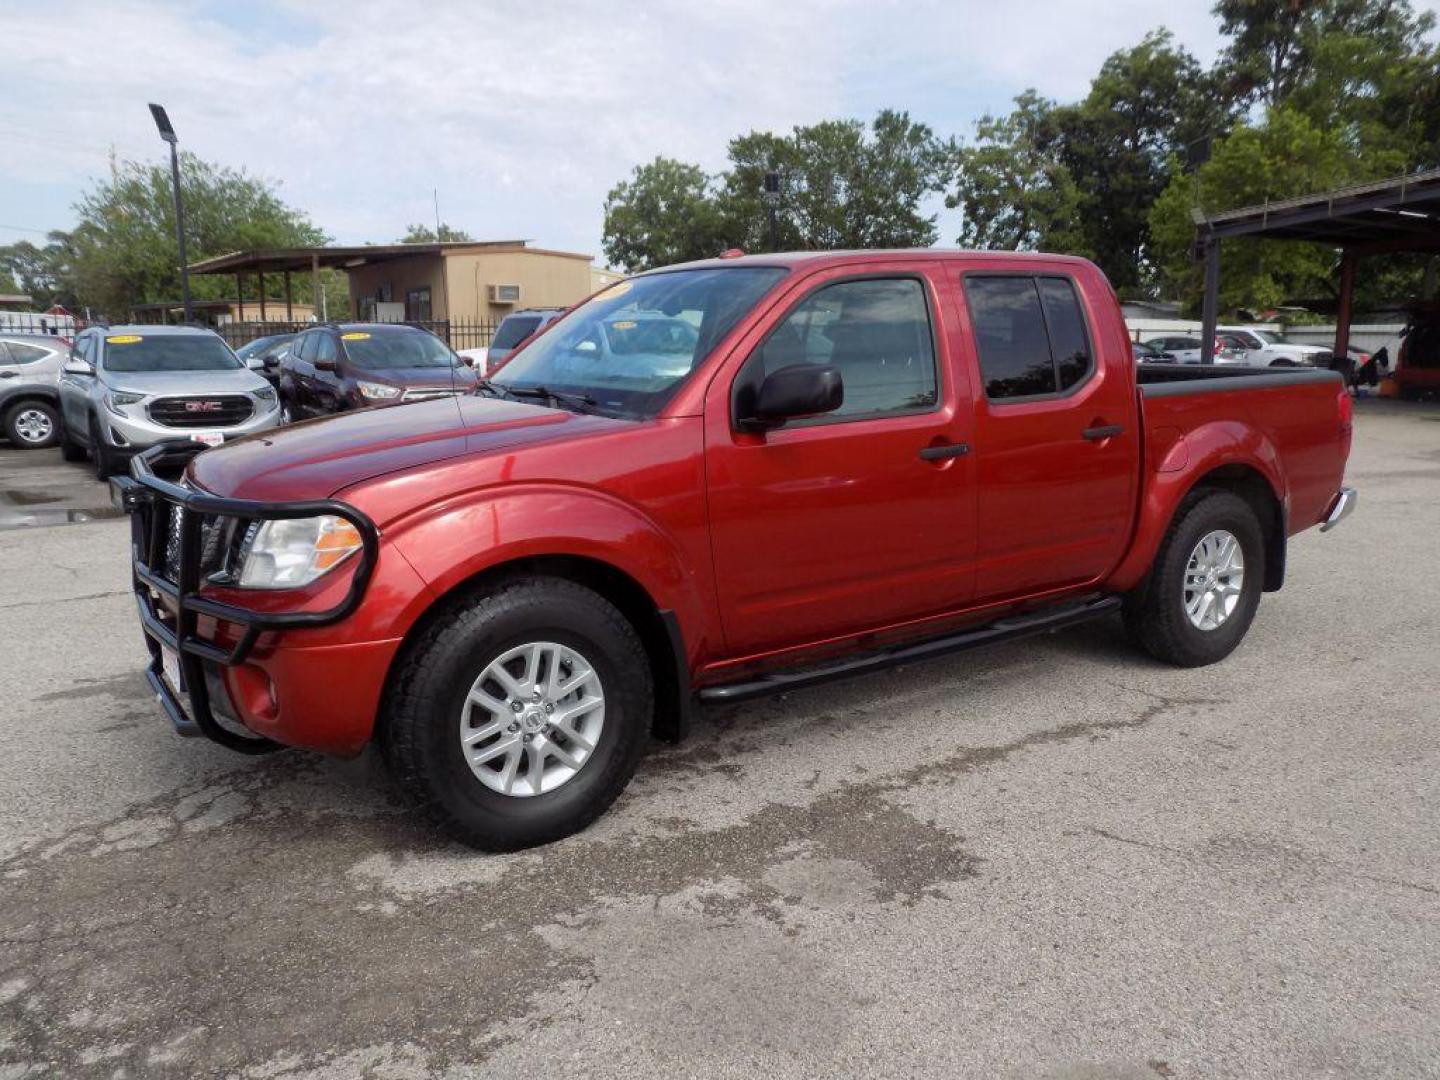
[(875, 331), (1030, 335)]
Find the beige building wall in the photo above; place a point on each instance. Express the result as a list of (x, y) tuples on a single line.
[(546, 279), (402, 275)]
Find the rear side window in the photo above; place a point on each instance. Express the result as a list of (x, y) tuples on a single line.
[(875, 331), (26, 354), (514, 330), (1030, 334)]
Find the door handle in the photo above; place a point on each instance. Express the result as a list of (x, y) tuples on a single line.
[(1107, 431), (940, 453)]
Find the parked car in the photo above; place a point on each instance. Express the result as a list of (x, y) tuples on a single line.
[(1186, 349), (1150, 354), (29, 398), (1417, 362), (126, 388), (343, 366), (510, 592), (514, 330), (1266, 348), (262, 355)]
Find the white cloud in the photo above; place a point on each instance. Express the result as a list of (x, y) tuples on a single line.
[(522, 114)]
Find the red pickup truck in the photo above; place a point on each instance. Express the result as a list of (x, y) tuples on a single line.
[(713, 481)]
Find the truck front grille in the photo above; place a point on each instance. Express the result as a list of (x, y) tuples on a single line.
[(208, 411)]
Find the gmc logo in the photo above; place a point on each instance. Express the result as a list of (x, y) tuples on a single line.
[(203, 406)]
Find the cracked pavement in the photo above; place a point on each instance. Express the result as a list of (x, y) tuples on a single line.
[(1051, 859)]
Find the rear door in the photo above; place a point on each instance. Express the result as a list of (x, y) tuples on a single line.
[(862, 517), (1056, 445)]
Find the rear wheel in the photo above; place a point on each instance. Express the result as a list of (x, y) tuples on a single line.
[(519, 714), (33, 425), (1204, 588)]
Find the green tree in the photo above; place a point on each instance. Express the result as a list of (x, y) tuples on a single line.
[(1150, 106), (1286, 156), (37, 272), (665, 213), (123, 251), (1012, 185), (841, 185), (423, 234)]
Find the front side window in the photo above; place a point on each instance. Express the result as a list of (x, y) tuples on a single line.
[(1030, 335), (324, 348), (167, 352), (629, 349), (876, 332)]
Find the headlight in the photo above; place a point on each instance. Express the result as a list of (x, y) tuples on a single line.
[(294, 552), (117, 398), (267, 394), (376, 391)]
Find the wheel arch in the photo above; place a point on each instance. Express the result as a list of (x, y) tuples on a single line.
[(1254, 473), (658, 628)]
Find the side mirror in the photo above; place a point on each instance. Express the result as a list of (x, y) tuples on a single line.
[(271, 362), (324, 365), (792, 392), (587, 347), (78, 367)]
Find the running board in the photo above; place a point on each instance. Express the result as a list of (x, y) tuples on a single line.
[(994, 633)]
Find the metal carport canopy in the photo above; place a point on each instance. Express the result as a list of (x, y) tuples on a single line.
[(1401, 214)]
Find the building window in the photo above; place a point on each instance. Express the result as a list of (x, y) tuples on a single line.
[(417, 305)]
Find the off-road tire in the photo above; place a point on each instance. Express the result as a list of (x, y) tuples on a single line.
[(1154, 612), (419, 726)]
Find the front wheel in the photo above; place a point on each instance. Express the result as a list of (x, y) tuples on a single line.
[(1202, 592), (100, 455), (519, 714)]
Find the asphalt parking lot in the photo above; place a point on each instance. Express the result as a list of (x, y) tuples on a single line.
[(1053, 859)]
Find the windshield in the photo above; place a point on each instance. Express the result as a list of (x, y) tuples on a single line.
[(514, 330), (630, 347), (388, 350), (168, 352)]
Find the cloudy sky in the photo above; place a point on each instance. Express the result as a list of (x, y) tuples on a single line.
[(521, 114)]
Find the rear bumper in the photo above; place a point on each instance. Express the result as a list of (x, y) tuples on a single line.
[(1340, 509), (166, 542)]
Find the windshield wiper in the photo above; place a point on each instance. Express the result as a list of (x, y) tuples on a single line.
[(559, 397)]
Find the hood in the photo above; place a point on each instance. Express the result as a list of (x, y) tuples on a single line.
[(428, 378), (188, 383), (316, 458)]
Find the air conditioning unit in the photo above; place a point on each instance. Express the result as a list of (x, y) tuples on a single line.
[(504, 294)]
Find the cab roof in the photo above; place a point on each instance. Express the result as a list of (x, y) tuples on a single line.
[(810, 260)]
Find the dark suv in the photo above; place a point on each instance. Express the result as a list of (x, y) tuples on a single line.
[(343, 366)]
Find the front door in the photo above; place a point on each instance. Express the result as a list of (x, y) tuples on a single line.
[(860, 518), (1056, 441)]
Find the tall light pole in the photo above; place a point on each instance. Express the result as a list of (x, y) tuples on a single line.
[(162, 122)]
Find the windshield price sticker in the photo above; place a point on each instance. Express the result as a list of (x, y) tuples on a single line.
[(123, 339), (355, 335)]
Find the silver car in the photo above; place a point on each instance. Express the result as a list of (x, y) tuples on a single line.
[(126, 388), (29, 398)]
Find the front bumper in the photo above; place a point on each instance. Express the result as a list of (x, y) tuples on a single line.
[(166, 554), (136, 433), (1340, 509)]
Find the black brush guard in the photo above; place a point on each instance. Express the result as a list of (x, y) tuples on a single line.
[(151, 501)]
